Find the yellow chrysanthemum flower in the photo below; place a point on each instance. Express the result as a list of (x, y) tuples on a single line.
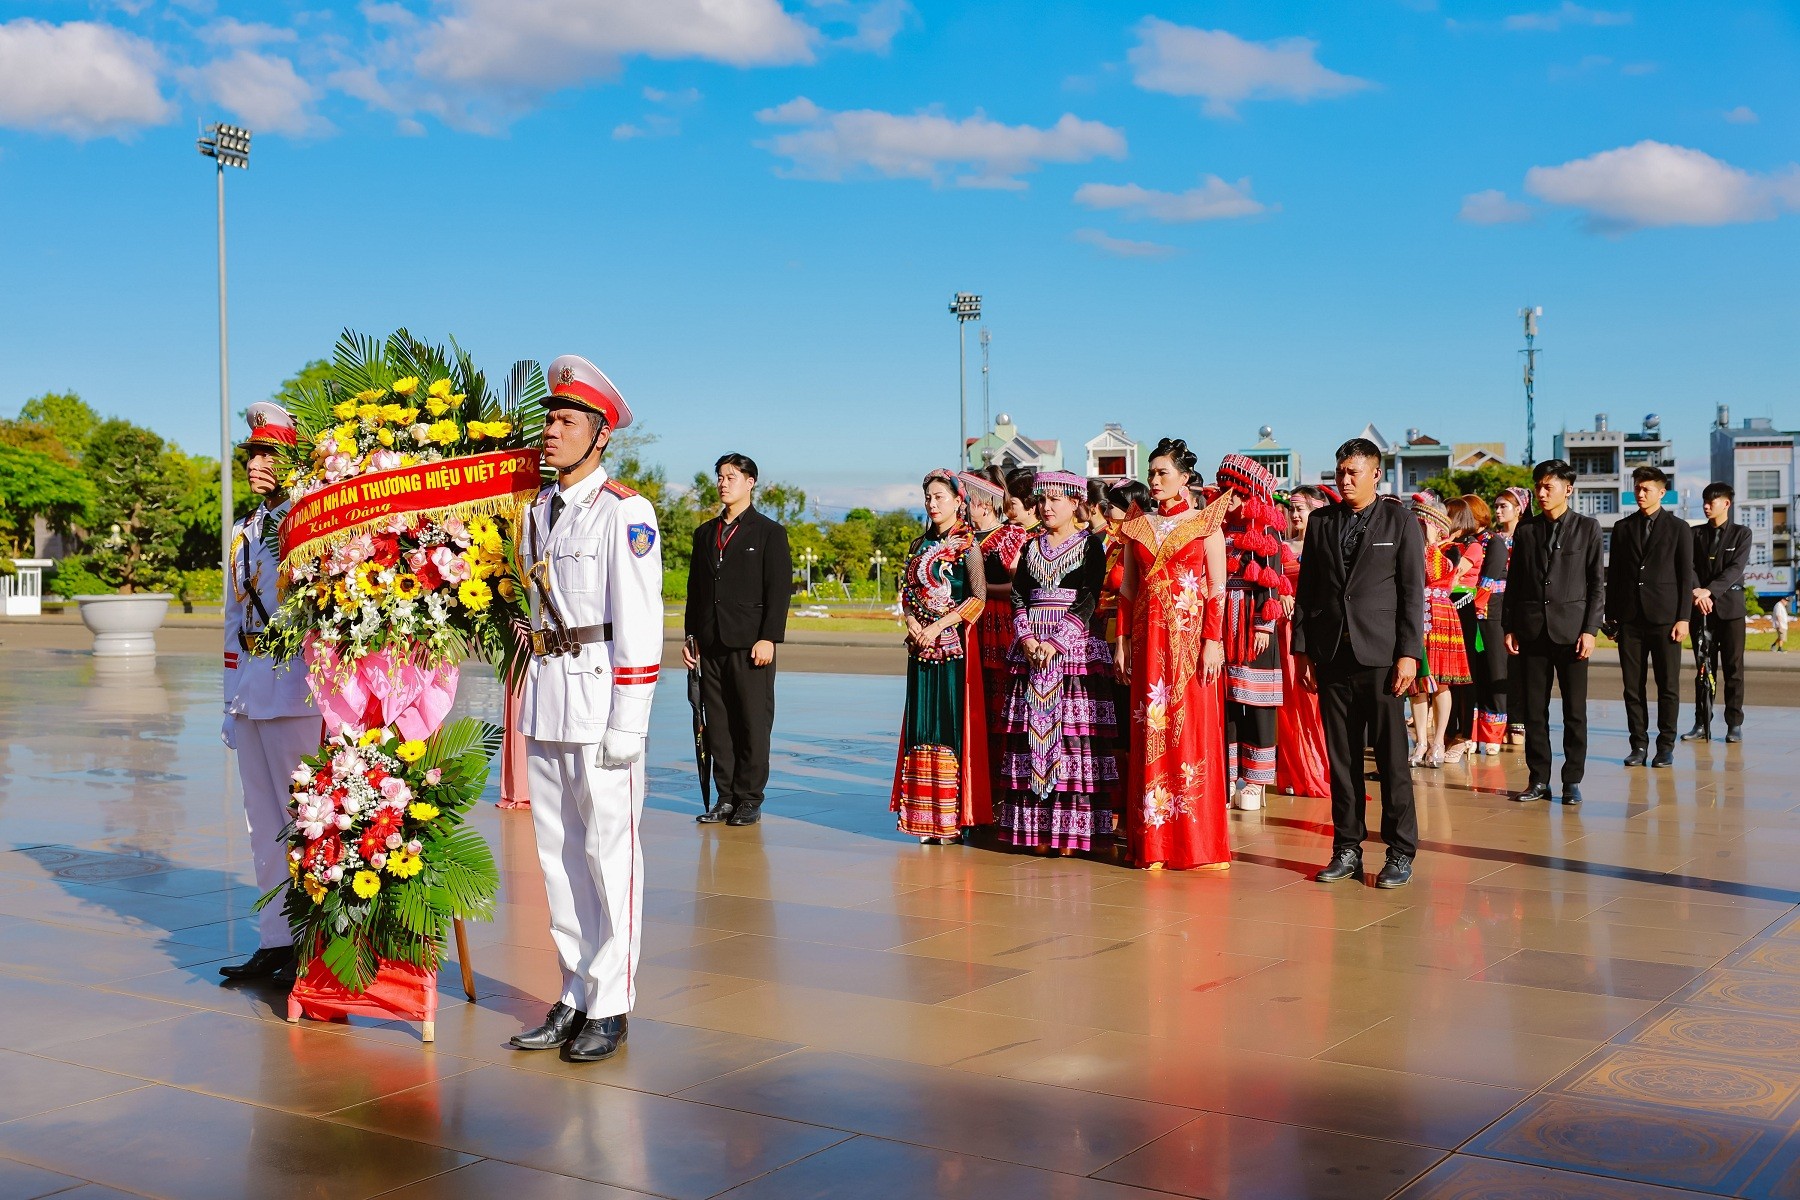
[(315, 891), (369, 412), (406, 586), (439, 387), (476, 430), (293, 868), (499, 429), (443, 432), (366, 884), (409, 460), (385, 436), (436, 407), (406, 416), (369, 394), (475, 595), (404, 865), (410, 752), (392, 412), (418, 810), (344, 410), (406, 387)]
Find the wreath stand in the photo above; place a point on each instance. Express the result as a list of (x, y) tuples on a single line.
[(399, 989)]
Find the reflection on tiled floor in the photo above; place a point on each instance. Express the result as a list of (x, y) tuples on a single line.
[(1599, 1003)]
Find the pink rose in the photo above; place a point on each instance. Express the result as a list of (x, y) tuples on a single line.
[(455, 530), (451, 565), (384, 460), (394, 841), (378, 861), (395, 524), (432, 776), (395, 791)]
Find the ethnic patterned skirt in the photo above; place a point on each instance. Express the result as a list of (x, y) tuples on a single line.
[(1060, 739)]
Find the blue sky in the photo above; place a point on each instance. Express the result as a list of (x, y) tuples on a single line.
[(1189, 218)]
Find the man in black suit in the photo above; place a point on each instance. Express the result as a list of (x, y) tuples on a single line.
[(1721, 552), (1649, 590), (1359, 634), (739, 581), (1555, 595)]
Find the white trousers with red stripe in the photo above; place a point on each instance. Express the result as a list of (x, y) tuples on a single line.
[(267, 752), (586, 818)]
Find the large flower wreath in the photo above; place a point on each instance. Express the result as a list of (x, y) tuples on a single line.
[(398, 562)]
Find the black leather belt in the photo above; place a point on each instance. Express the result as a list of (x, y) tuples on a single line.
[(549, 643)]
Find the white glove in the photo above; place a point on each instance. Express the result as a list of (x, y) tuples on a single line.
[(620, 749), (228, 732)]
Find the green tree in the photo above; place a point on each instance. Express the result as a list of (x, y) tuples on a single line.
[(70, 417), (33, 484), (1486, 481), (782, 501), (36, 436), (312, 376), (136, 522)]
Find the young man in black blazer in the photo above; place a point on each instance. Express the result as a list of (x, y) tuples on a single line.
[(1359, 635), (1649, 590), (739, 581), (1555, 596), (1721, 552)]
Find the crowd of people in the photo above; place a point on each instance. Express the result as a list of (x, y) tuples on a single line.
[(1111, 669)]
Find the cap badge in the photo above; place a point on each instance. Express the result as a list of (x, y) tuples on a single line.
[(567, 375)]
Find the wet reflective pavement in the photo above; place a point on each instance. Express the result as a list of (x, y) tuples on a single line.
[(1600, 1002)]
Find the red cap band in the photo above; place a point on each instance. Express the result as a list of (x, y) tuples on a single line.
[(591, 396)]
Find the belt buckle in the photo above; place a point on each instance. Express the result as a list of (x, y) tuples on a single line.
[(539, 644)]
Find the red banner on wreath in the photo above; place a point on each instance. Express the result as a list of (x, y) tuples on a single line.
[(463, 486)]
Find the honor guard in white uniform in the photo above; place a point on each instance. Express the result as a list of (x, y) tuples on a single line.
[(595, 566), (270, 718)]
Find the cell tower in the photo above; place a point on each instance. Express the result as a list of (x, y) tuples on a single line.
[(1530, 352)]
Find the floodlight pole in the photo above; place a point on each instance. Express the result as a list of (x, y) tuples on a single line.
[(1530, 352), (965, 307), (226, 145)]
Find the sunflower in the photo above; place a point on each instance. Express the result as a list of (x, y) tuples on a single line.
[(406, 586), (315, 891), (341, 593), (368, 578), (475, 595)]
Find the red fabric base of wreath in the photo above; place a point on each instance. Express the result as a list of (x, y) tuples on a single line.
[(400, 992)]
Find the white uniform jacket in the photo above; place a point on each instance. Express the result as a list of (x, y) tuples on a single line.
[(257, 687), (605, 568)]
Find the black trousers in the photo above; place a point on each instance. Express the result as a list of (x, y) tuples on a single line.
[(1358, 710), (1728, 665), (1538, 663), (1644, 646), (740, 712)]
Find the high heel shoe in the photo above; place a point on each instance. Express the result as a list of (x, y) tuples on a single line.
[(1436, 758), (1417, 758), (1456, 753)]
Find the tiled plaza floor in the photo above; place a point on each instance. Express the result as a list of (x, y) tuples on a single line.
[(1602, 1002)]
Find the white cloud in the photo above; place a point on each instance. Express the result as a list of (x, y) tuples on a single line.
[(1213, 200), (1493, 207), (262, 90), (80, 78), (1123, 247), (1225, 70), (1743, 114), (229, 31), (1568, 14), (975, 151), (539, 45), (1654, 184)]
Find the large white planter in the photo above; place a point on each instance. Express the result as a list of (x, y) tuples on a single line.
[(124, 625)]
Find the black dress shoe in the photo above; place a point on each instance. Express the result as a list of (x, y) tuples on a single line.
[(264, 964), (1636, 758), (720, 813), (561, 1024), (599, 1038), (1346, 863), (1571, 794), (1396, 871), (1664, 758), (1735, 734), (746, 814), (1699, 733), (1534, 793)]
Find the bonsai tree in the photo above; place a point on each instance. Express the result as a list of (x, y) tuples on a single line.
[(136, 525)]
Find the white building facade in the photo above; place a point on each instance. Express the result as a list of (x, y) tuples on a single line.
[(1604, 458), (1758, 461)]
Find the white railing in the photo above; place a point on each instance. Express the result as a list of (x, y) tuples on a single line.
[(22, 595)]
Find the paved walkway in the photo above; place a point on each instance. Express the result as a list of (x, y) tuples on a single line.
[(1565, 1004)]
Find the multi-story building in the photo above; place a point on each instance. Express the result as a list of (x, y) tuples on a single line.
[(1113, 457), (1604, 458), (1006, 447), (1281, 462), (1758, 461)]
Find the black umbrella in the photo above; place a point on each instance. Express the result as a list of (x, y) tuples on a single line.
[(702, 760), (1703, 674)]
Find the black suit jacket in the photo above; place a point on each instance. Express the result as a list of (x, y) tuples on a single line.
[(1378, 600), (734, 603), (1724, 576), (1650, 574), (1564, 598)]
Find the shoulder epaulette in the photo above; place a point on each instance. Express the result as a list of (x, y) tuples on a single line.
[(618, 489)]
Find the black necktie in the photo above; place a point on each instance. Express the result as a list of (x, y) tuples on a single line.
[(556, 508)]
